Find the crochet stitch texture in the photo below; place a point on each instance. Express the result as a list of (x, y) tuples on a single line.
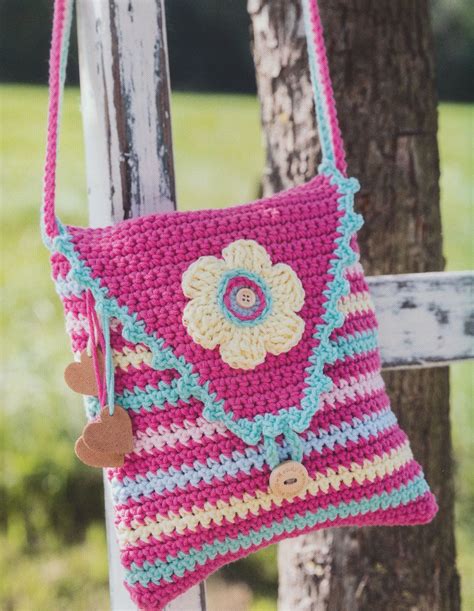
[(209, 422), (244, 333)]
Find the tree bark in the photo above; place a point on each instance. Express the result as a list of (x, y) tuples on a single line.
[(381, 59)]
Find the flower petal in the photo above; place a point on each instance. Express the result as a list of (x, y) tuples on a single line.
[(245, 349), (247, 254), (286, 287), (282, 332), (202, 276), (205, 323)]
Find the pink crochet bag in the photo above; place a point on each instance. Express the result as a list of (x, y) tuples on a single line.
[(231, 362)]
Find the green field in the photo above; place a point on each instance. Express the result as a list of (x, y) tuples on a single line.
[(52, 546)]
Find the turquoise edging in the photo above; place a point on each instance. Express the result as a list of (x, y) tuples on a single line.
[(226, 277), (176, 566), (289, 421)]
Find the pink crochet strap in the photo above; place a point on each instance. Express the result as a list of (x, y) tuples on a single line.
[(328, 126), (57, 67)]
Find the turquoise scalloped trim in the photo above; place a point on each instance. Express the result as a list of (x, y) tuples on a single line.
[(289, 421)]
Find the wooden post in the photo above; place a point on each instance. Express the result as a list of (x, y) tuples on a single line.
[(129, 158)]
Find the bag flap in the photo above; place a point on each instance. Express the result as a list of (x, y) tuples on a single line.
[(135, 271)]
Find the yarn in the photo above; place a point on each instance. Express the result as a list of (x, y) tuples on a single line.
[(245, 334), (221, 389)]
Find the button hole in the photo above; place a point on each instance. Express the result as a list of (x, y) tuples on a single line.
[(290, 481)]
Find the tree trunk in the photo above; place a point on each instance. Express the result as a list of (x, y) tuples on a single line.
[(381, 57)]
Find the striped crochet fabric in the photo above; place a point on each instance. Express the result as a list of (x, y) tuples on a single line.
[(194, 493)]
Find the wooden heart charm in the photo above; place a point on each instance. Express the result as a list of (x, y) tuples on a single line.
[(110, 434), (80, 377), (92, 458)]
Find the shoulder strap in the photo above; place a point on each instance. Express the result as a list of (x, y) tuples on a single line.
[(63, 10), (326, 116), (332, 146)]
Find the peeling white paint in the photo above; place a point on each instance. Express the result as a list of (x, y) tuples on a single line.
[(119, 47), (425, 319), (129, 165)]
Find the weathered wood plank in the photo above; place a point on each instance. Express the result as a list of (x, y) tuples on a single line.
[(129, 158), (125, 107), (425, 319)]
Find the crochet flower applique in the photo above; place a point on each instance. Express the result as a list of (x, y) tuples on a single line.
[(243, 304)]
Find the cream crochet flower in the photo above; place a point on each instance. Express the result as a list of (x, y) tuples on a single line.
[(243, 304)]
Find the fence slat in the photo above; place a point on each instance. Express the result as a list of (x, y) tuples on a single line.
[(123, 61), (425, 319)]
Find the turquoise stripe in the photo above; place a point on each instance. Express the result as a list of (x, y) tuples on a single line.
[(150, 397), (67, 287), (253, 458), (177, 566)]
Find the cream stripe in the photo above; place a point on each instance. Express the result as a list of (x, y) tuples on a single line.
[(356, 302), (135, 357), (380, 466)]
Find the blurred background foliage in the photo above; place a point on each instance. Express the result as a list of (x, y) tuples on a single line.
[(208, 26), (52, 540)]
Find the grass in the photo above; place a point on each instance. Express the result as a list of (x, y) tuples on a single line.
[(52, 545)]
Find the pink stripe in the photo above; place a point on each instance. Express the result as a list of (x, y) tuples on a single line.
[(345, 412), (350, 367), (356, 322), (169, 416), (60, 265), (358, 283), (142, 376)]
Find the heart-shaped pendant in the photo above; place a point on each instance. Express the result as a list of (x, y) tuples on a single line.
[(92, 458), (110, 434), (81, 377)]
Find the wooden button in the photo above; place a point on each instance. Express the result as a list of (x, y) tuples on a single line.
[(288, 479), (245, 298)]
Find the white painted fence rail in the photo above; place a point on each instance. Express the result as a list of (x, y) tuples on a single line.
[(123, 62), (425, 319)]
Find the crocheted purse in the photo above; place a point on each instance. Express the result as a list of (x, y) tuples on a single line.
[(242, 345)]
